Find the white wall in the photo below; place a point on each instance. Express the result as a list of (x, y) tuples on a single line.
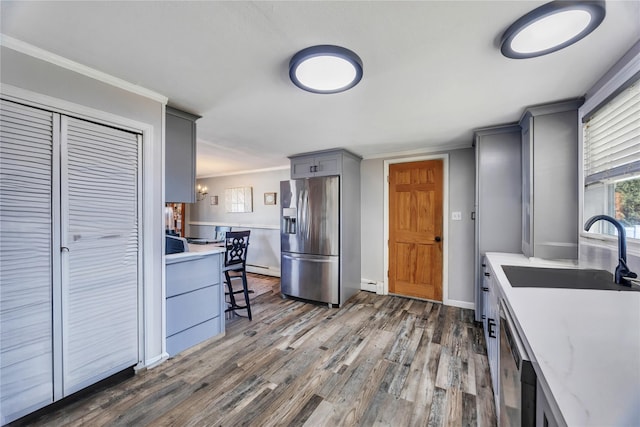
[(73, 89), (264, 222), (461, 233), (372, 219)]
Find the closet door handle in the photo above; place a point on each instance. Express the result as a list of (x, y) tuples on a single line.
[(64, 249)]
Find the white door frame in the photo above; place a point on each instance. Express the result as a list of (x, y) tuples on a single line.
[(445, 215)]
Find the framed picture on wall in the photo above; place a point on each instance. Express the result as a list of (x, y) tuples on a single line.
[(214, 200), (269, 198), (239, 199)]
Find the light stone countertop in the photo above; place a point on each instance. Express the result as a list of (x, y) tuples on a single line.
[(195, 251), (584, 345)]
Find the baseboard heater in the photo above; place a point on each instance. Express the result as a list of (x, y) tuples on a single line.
[(263, 269), (371, 286)]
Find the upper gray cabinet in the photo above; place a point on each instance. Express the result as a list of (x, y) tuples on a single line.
[(180, 156), (550, 180), (498, 196), (316, 164)]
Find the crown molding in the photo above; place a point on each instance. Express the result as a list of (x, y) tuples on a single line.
[(427, 150), (244, 172), (613, 81), (36, 52)]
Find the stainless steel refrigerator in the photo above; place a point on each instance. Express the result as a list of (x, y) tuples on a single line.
[(310, 238)]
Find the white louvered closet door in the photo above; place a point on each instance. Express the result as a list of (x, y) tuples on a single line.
[(26, 267), (100, 269)]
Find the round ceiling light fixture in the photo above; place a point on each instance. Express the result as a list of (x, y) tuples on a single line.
[(325, 69), (551, 27)]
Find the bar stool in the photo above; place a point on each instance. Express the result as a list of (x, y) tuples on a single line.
[(235, 263), (219, 232)]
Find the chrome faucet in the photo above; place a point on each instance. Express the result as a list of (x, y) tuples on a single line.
[(622, 270)]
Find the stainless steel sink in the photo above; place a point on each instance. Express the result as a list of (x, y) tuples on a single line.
[(536, 277)]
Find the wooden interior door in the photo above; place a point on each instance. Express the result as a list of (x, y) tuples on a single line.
[(415, 229)]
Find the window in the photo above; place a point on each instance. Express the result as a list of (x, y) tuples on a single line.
[(239, 199), (612, 162)]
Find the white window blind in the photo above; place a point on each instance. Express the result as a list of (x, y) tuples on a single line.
[(612, 138)]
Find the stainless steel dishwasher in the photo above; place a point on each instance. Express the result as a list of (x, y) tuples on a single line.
[(517, 382)]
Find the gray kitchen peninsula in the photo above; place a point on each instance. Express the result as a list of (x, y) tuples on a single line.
[(195, 297)]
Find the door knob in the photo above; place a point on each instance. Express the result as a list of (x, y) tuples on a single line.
[(438, 239)]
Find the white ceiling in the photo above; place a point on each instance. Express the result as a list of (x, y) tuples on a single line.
[(432, 70)]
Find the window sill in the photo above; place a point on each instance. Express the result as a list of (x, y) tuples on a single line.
[(610, 242)]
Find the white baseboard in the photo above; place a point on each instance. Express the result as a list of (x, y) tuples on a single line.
[(153, 362), (267, 271), (460, 304)]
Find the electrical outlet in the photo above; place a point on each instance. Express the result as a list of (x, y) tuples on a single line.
[(456, 216)]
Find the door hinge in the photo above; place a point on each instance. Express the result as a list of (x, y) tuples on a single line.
[(387, 273)]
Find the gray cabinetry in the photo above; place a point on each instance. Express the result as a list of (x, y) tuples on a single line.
[(550, 181), (491, 322), (302, 167), (180, 156), (498, 197), (316, 164), (195, 300)]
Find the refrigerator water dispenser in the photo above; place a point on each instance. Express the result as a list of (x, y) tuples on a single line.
[(289, 216)]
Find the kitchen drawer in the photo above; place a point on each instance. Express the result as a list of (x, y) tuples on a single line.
[(192, 308), (193, 274), (194, 335)]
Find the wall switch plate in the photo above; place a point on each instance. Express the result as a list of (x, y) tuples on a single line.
[(456, 216)]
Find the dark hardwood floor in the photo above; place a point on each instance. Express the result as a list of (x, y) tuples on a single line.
[(378, 360)]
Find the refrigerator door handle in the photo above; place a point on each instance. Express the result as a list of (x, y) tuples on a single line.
[(313, 277), (312, 258), (307, 208), (303, 221), (301, 212)]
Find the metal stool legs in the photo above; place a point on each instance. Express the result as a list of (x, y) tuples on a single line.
[(233, 305)]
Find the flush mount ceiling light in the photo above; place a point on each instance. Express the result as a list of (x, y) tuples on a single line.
[(552, 26), (325, 69)]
